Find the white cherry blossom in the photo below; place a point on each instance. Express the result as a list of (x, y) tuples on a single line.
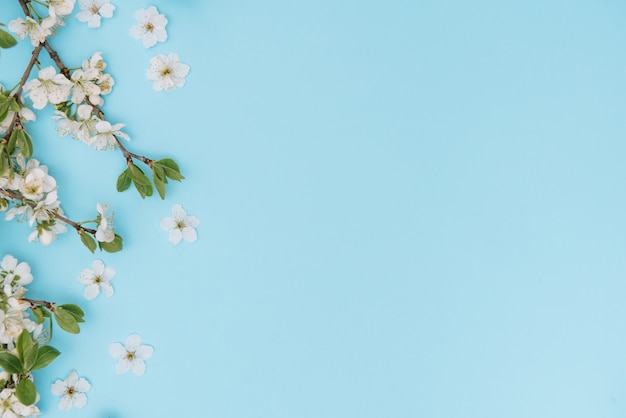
[(180, 225), (38, 32), (11, 407), (71, 390), (131, 356), (105, 134), (105, 231), (61, 7), (150, 27), (93, 11), (166, 72), (97, 278), (48, 87)]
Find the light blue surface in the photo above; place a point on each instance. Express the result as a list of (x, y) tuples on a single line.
[(409, 209)]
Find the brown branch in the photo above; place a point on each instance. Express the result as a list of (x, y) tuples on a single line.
[(31, 63), (17, 196), (43, 303)]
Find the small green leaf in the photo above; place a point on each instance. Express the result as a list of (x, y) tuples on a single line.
[(88, 241), (13, 104), (3, 158), (137, 175), (5, 105), (6, 39), (123, 181), (24, 143), (10, 363), (160, 186), (66, 320), (113, 246), (26, 392), (74, 310), (171, 169), (24, 341), (12, 141), (45, 356), (144, 189), (38, 314)]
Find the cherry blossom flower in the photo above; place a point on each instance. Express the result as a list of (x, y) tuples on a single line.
[(61, 7), (38, 32), (180, 225), (131, 356), (167, 72), (71, 390), (105, 134), (93, 11), (97, 278), (26, 115), (11, 407), (105, 232), (14, 275), (48, 87), (150, 27)]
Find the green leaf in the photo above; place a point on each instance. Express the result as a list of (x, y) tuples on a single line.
[(4, 164), (160, 186), (12, 141), (113, 246), (123, 181), (38, 314), (74, 310), (26, 392), (160, 179), (10, 363), (5, 106), (24, 143), (24, 343), (6, 39), (171, 169), (144, 189), (88, 241), (13, 104), (137, 175), (45, 356), (66, 320)]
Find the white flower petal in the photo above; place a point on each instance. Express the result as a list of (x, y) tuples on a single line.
[(117, 350), (144, 352), (138, 367), (133, 342)]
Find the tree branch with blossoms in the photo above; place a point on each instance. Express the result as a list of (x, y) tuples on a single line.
[(29, 192)]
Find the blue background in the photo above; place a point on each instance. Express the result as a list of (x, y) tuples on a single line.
[(409, 209)]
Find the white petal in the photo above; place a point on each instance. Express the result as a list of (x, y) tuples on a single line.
[(72, 378), (107, 289), (138, 367), (82, 385), (167, 224), (65, 403), (189, 234), (122, 366), (98, 267), (108, 274), (58, 388), (178, 212), (80, 400), (175, 236), (144, 352), (117, 350), (133, 342), (91, 291)]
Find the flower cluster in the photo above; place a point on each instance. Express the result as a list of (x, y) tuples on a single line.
[(34, 198), (75, 99), (24, 340)]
